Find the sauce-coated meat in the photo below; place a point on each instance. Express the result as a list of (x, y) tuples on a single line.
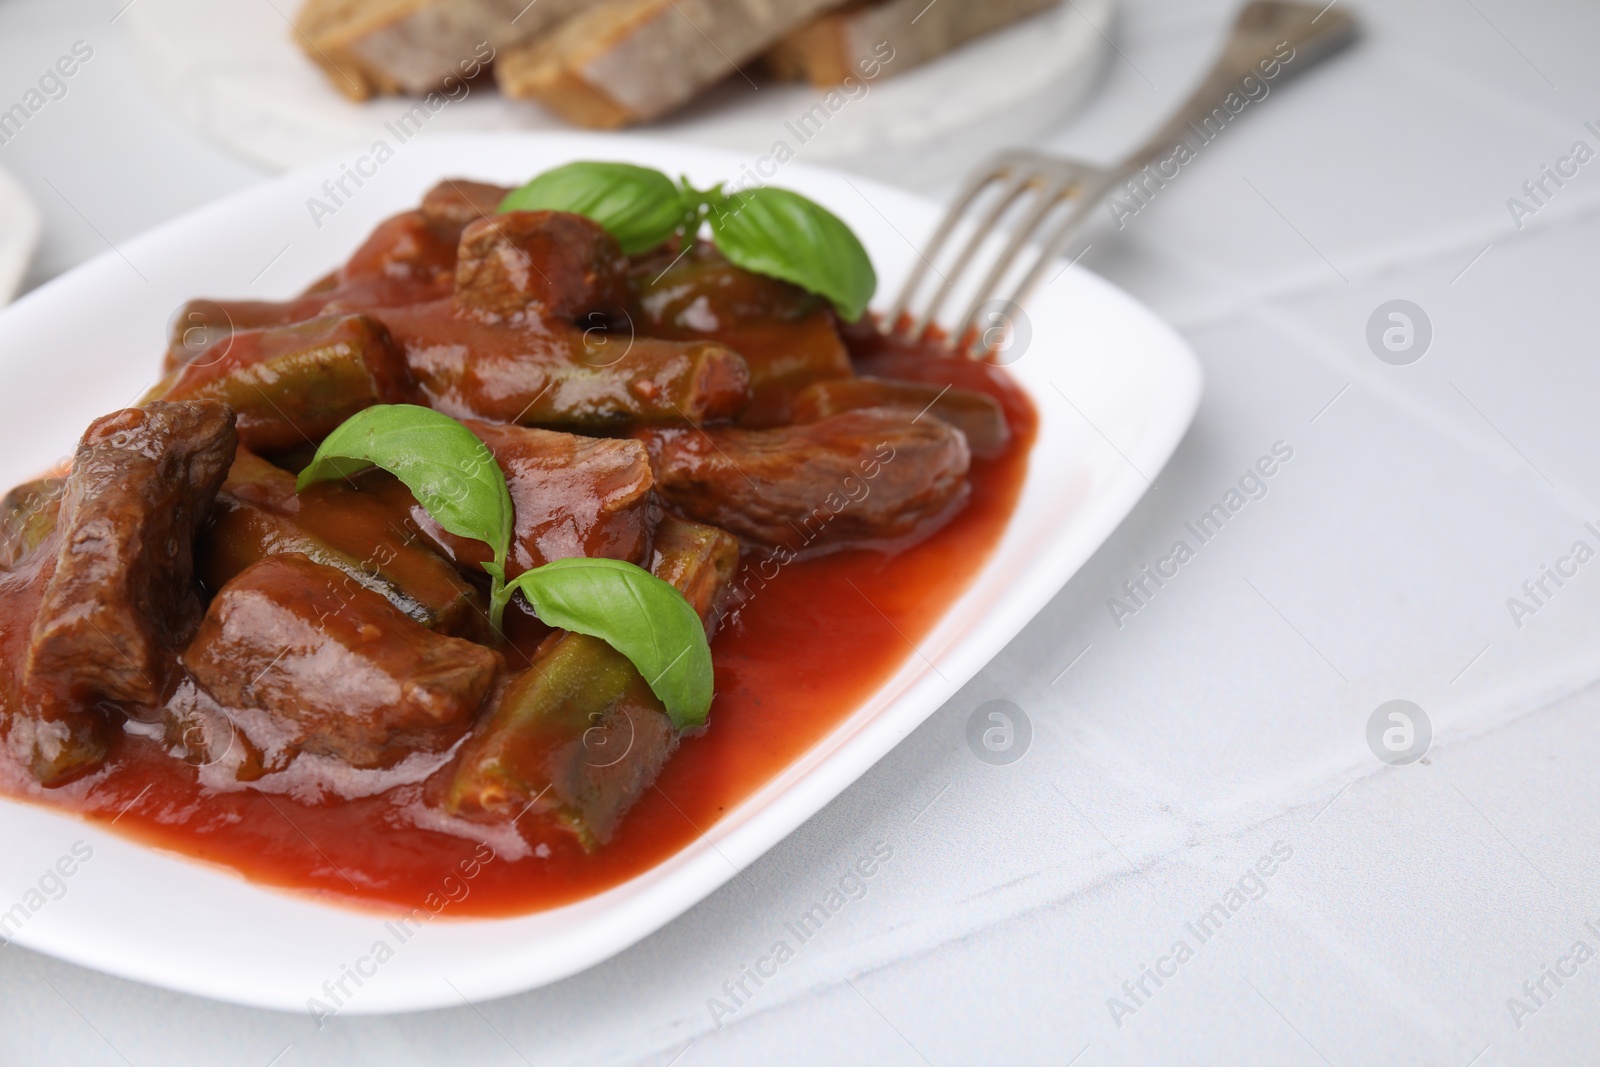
[(456, 202), (142, 484), (121, 598), (570, 496), (545, 263), (977, 415), (407, 258), (870, 475), (340, 670), (372, 541)]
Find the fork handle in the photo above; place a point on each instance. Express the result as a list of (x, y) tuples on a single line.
[(1270, 39), (1269, 35)]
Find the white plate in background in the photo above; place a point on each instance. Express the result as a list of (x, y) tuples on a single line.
[(156, 917), (231, 68), (20, 225)]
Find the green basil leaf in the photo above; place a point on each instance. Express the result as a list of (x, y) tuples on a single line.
[(640, 207), (639, 615), (783, 235), (446, 467)]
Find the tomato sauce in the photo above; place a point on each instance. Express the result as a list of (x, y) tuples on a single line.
[(806, 648)]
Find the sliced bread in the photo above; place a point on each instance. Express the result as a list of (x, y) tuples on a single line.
[(625, 61), (857, 39), (413, 46)]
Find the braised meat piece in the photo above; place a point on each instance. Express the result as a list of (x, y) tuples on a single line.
[(542, 373), (293, 385), (415, 260), (579, 736), (370, 540), (787, 336), (570, 495), (874, 474), (122, 597), (455, 203), (977, 415), (544, 263), (700, 292), (340, 671)]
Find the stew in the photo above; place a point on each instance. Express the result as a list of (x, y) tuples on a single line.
[(304, 683)]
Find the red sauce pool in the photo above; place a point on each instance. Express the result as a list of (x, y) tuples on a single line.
[(803, 654)]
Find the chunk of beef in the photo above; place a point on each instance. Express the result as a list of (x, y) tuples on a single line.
[(409, 253), (293, 385), (456, 203), (543, 373), (579, 736), (700, 292), (874, 474), (338, 670), (545, 263), (570, 495), (122, 597), (371, 541), (977, 415)]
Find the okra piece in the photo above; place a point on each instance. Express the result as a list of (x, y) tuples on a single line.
[(547, 373), (371, 542), (787, 336), (201, 329), (293, 385), (28, 516), (578, 736), (978, 415)]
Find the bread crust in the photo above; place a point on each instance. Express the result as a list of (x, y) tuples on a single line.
[(846, 42), (368, 47), (627, 61)]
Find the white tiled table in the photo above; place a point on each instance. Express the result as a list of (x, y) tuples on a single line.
[(1227, 716)]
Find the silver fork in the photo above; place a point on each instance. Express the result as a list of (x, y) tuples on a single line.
[(1263, 32)]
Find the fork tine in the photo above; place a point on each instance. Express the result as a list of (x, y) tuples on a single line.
[(1057, 190), (1260, 31), (1051, 250), (1019, 183), (981, 180)]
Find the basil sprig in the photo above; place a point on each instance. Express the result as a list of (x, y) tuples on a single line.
[(783, 235), (455, 477), (764, 230), (636, 613)]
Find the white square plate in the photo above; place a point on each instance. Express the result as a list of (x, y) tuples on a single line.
[(1114, 386), (19, 234)]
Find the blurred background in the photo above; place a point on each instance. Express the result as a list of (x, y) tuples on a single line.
[(1173, 751)]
